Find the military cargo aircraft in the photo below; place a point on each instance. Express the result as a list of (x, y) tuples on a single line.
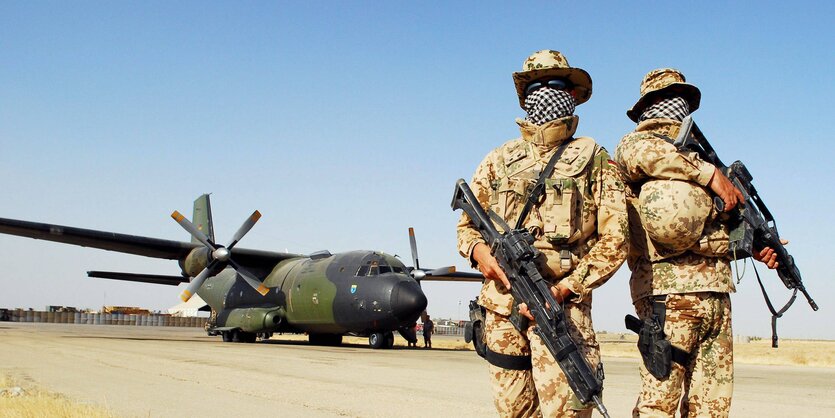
[(255, 293)]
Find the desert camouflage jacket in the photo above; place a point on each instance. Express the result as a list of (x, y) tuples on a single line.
[(580, 225), (642, 155)]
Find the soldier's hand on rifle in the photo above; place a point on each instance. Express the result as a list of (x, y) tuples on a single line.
[(726, 190), (488, 266), (559, 292), (768, 256)]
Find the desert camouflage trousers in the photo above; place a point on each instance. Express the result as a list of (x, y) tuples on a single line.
[(700, 324), (542, 391)]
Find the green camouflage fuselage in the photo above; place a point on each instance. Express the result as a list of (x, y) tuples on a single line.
[(357, 293)]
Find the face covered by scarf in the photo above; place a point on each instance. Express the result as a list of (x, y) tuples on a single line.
[(547, 104), (674, 108)]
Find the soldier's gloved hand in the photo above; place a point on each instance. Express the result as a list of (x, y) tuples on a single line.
[(559, 292), (488, 266), (726, 190), (768, 256)]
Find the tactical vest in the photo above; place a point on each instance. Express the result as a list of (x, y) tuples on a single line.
[(557, 222)]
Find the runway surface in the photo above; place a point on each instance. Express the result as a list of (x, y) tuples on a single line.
[(176, 372)]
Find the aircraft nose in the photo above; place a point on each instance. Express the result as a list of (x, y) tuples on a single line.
[(407, 301)]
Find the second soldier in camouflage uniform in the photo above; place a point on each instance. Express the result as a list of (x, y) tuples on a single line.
[(679, 251), (580, 226)]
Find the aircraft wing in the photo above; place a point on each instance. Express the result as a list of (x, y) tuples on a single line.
[(129, 244), (135, 277)]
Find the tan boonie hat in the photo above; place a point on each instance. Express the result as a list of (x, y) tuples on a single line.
[(663, 81), (549, 64)]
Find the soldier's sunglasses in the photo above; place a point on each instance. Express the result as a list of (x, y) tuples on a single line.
[(554, 83)]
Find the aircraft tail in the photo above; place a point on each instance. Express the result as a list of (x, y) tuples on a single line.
[(202, 218)]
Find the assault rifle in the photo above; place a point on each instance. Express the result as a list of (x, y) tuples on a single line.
[(515, 253), (751, 223)]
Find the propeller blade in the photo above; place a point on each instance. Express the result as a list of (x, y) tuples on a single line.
[(443, 271), (247, 225), (196, 283), (196, 233), (413, 244), (250, 278)]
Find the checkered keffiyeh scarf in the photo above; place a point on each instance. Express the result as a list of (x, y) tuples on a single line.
[(670, 108), (547, 104)]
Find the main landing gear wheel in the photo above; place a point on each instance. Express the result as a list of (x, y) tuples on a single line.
[(376, 340), (238, 336), (381, 340)]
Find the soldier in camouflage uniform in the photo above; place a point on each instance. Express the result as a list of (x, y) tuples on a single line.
[(580, 226), (679, 251)]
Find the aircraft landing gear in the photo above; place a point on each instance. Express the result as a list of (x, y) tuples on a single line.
[(381, 340), (238, 336)]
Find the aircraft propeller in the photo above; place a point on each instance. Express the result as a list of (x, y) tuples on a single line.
[(417, 273), (220, 256)]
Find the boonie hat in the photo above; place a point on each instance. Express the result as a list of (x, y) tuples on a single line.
[(663, 81), (551, 64)]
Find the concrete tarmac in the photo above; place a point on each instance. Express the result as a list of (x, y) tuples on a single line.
[(177, 372)]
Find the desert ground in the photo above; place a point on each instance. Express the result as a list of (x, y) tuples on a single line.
[(176, 372)]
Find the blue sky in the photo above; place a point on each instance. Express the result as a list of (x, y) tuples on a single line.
[(345, 123)]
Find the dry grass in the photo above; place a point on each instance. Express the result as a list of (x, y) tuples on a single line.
[(35, 403), (791, 352)]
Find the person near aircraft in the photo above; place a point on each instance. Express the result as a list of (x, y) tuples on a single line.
[(428, 330)]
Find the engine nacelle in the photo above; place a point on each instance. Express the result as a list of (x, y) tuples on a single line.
[(254, 320), (196, 261)]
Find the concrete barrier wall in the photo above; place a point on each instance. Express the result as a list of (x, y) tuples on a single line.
[(153, 320)]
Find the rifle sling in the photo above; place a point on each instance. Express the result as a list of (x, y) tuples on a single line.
[(774, 313), (539, 187)]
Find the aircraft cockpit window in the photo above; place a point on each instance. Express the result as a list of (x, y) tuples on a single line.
[(375, 268)]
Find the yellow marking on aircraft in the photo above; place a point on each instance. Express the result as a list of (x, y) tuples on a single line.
[(263, 290)]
